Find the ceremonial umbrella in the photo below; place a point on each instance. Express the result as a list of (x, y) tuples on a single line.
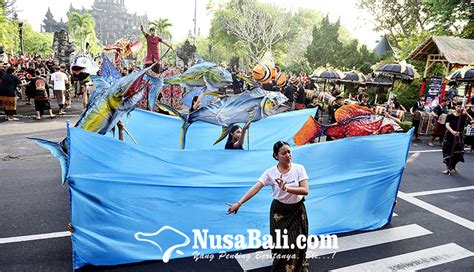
[(379, 81), (466, 74), (325, 74), (354, 77), (400, 70)]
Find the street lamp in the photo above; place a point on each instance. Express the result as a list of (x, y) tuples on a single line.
[(20, 32)]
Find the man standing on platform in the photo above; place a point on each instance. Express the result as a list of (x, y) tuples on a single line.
[(153, 47)]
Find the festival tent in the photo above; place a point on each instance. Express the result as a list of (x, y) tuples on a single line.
[(132, 203)]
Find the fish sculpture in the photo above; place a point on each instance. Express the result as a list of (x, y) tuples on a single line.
[(110, 102), (123, 48), (352, 120), (108, 72), (208, 75), (83, 66), (107, 104), (249, 106)]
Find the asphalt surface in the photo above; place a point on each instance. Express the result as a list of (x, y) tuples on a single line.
[(32, 201)]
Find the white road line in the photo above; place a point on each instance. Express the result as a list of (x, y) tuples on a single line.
[(431, 151), (431, 208), (261, 259), (34, 237), (414, 261), (441, 191)]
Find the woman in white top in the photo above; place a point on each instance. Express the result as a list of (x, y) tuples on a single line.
[(289, 182)]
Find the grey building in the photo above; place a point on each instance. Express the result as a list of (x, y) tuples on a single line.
[(112, 21)]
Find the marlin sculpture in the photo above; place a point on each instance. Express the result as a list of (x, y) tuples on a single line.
[(246, 107), (208, 75)]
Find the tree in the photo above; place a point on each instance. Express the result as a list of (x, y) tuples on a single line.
[(258, 27), (82, 29), (162, 27), (405, 19), (327, 47)]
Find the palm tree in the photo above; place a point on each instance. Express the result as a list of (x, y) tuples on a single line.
[(162, 27), (80, 27)]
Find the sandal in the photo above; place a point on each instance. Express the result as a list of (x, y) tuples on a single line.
[(431, 144), (446, 172), (38, 118)]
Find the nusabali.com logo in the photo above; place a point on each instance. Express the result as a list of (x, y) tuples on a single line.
[(203, 240)]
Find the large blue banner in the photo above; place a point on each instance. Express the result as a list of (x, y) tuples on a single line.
[(132, 203), (162, 131)]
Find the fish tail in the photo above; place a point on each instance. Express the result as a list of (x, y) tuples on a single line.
[(156, 87), (58, 151), (310, 129), (172, 111), (224, 133), (184, 131)]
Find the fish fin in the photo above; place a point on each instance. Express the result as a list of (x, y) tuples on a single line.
[(251, 117), (172, 111), (310, 129), (216, 94), (129, 135), (187, 92), (250, 81), (57, 151), (184, 131), (156, 87), (224, 133)]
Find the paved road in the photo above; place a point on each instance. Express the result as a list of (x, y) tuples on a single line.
[(433, 229)]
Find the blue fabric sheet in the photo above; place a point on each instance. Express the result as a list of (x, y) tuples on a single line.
[(120, 191), (162, 131)]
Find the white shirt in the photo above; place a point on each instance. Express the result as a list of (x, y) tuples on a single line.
[(59, 80), (296, 174)]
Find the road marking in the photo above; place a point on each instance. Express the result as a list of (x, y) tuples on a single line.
[(431, 151), (250, 261), (431, 208), (414, 261), (34, 237), (441, 191)]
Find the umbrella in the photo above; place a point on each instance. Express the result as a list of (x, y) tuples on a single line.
[(400, 70), (379, 81), (466, 74), (354, 77), (325, 74)]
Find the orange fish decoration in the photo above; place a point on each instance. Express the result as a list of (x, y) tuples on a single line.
[(352, 120)]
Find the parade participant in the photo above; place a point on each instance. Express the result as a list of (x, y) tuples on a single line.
[(453, 144), (416, 110), (236, 137), (8, 84), (469, 140), (153, 47), (364, 100), (59, 80), (67, 94), (440, 112), (289, 183), (300, 97), (41, 95), (396, 104), (290, 91), (453, 91)]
